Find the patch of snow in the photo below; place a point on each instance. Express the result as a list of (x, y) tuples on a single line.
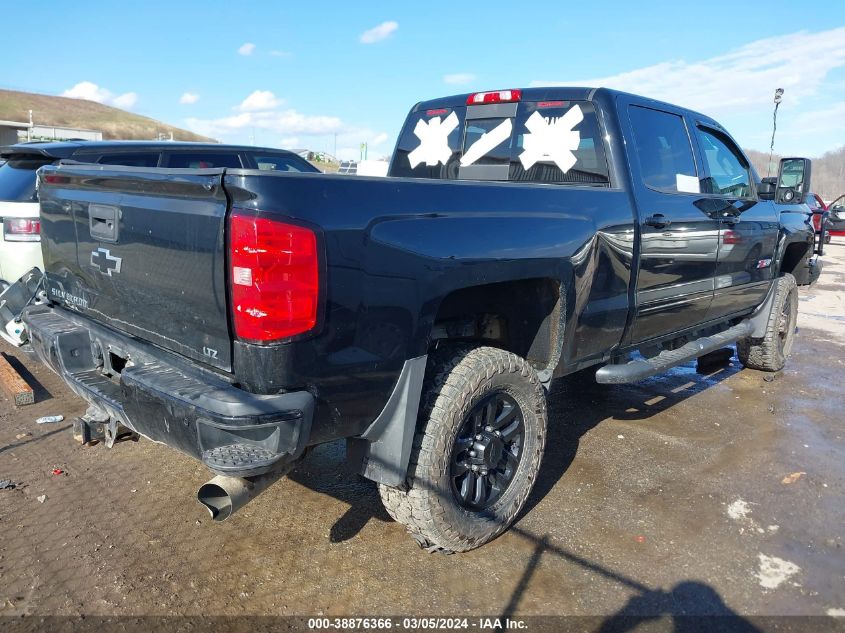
[(774, 571), (739, 510)]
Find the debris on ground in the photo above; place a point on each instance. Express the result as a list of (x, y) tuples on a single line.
[(774, 571), (20, 436), (50, 419), (42, 498), (791, 479), (58, 471), (7, 484), (739, 510)]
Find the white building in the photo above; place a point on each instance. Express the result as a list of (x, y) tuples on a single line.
[(9, 131)]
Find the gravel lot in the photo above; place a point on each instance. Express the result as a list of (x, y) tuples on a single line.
[(717, 492)]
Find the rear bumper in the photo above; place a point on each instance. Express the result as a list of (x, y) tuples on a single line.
[(170, 400)]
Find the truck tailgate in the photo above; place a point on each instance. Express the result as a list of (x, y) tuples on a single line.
[(142, 251)]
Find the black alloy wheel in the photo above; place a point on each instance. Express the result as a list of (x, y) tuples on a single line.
[(487, 451)]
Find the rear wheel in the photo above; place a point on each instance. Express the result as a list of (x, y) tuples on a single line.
[(477, 450), (770, 352)]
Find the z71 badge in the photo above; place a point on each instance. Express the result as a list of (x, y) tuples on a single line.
[(105, 262)]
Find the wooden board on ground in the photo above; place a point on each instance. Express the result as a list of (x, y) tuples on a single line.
[(13, 384)]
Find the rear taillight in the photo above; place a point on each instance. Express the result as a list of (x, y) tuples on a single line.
[(21, 230), (731, 237), (274, 268), (497, 96)]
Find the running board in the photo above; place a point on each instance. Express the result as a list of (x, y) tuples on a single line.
[(643, 368)]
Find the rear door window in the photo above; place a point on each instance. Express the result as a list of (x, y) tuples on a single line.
[(664, 152), (559, 142), (18, 178), (203, 160), (554, 142), (430, 144), (282, 162)]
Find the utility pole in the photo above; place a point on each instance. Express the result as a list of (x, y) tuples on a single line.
[(778, 99), (29, 131), (335, 145)]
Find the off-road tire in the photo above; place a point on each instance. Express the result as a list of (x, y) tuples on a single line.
[(770, 352), (457, 379)]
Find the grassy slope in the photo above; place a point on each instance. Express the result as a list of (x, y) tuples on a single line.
[(61, 111)]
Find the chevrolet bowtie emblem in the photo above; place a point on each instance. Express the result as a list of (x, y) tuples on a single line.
[(107, 263)]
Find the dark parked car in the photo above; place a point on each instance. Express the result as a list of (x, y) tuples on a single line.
[(20, 249), (836, 217), (242, 315)]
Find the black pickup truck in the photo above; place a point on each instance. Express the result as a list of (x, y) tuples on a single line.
[(243, 316)]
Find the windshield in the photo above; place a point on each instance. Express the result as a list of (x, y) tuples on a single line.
[(17, 178), (555, 142)]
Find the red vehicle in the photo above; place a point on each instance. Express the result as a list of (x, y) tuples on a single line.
[(818, 207)]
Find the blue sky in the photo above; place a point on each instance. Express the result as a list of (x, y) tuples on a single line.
[(297, 74)]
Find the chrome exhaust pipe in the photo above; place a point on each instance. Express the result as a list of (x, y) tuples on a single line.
[(223, 496)]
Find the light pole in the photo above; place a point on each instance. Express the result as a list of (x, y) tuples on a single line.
[(778, 99)]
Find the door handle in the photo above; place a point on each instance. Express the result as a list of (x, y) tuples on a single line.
[(658, 221), (103, 221)]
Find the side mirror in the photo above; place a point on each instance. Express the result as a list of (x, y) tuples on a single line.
[(767, 188), (793, 180)]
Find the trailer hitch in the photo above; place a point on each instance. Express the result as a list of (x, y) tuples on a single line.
[(97, 426)]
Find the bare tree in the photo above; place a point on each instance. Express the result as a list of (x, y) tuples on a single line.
[(828, 177)]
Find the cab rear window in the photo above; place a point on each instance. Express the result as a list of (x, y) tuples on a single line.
[(554, 142)]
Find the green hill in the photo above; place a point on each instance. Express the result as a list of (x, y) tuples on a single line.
[(114, 123)]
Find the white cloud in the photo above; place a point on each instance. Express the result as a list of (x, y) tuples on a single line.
[(280, 54), (126, 100), (315, 132), (744, 77), (88, 91), (189, 98), (260, 100), (260, 119), (458, 79), (379, 139), (823, 120), (246, 49), (379, 33), (810, 132), (92, 92), (289, 122)]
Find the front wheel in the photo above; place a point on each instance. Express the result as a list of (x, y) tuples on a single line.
[(477, 450), (770, 352)]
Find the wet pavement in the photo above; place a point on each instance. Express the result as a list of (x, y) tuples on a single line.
[(717, 492)]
